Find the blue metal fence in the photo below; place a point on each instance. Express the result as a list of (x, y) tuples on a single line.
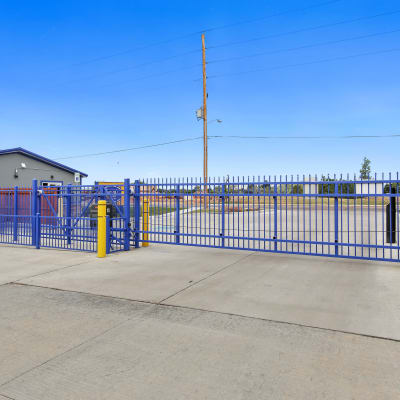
[(331, 216), (15, 216), (62, 217)]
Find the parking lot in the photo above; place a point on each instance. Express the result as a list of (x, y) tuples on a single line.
[(176, 322)]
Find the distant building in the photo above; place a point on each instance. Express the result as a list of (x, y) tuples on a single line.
[(370, 188), (18, 167), (310, 188)]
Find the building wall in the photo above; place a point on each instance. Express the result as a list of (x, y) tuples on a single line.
[(43, 172), (369, 188), (311, 188)]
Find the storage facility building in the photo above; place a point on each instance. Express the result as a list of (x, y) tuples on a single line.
[(18, 167)]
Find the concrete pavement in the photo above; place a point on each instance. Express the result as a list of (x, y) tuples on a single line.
[(347, 295), (190, 323), (143, 275), (19, 262), (101, 348), (352, 296)]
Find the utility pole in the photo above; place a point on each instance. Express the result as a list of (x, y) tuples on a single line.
[(205, 139)]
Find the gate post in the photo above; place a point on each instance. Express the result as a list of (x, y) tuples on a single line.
[(336, 219), (101, 228), (34, 210), (127, 213), (69, 212), (137, 213), (101, 195), (15, 213), (275, 217), (222, 233), (177, 214)]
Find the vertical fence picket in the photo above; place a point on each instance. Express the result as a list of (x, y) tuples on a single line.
[(68, 211), (336, 220), (137, 213), (275, 217), (34, 211), (127, 213), (37, 230), (222, 230), (177, 214), (15, 214)]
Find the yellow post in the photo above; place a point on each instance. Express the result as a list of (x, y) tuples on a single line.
[(145, 222), (101, 228)]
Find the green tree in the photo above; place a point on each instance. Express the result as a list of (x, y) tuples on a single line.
[(329, 188), (326, 188), (250, 188), (365, 171), (264, 188), (297, 189)]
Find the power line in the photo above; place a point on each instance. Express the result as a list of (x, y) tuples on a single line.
[(255, 55), (251, 40), (152, 75), (228, 44), (326, 60), (185, 36), (132, 148), (228, 137), (301, 30), (278, 14), (305, 46), (155, 88), (116, 71), (135, 79), (278, 67), (269, 52), (121, 53)]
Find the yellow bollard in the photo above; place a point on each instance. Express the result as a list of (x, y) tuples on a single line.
[(145, 222), (101, 228)]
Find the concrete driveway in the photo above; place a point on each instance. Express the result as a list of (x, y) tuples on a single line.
[(172, 322)]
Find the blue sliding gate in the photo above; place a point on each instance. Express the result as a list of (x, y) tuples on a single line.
[(328, 216)]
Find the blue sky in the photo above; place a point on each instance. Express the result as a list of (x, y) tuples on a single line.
[(65, 92)]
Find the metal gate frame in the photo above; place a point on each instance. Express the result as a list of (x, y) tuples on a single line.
[(59, 217), (327, 216)]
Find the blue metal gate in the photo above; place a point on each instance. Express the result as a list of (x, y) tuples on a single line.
[(63, 217), (118, 199), (328, 216)]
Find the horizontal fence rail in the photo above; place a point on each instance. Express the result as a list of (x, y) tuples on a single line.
[(332, 216)]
